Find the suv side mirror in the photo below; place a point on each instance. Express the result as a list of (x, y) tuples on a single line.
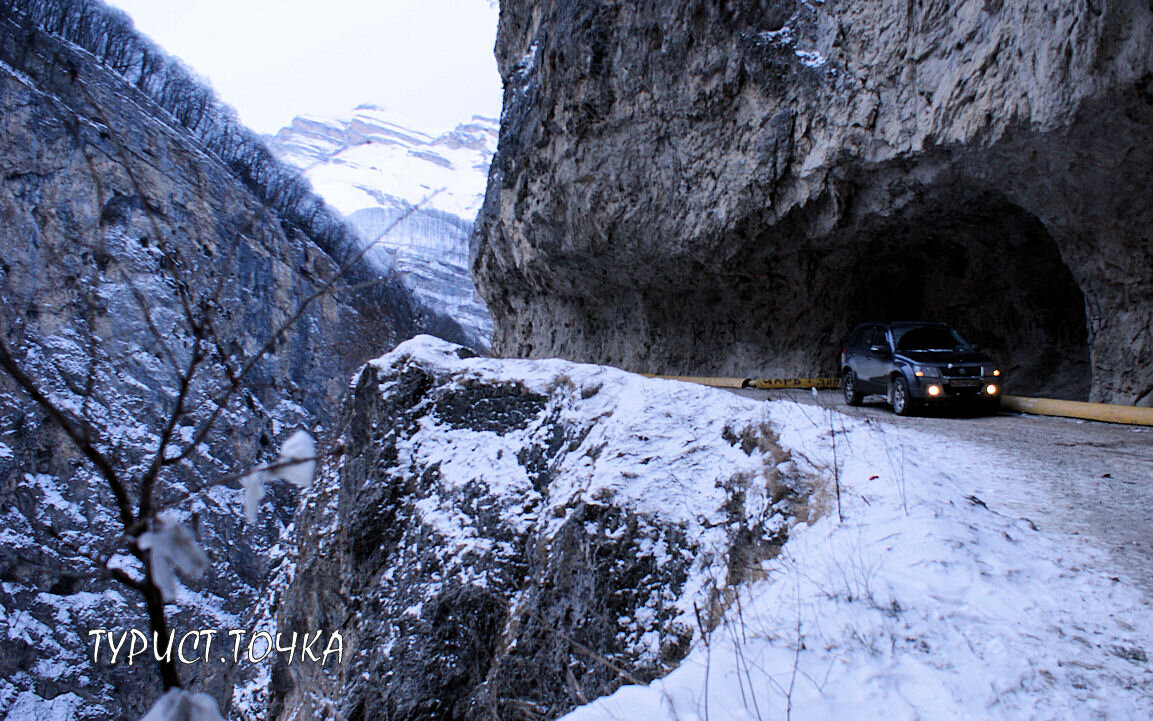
[(879, 349)]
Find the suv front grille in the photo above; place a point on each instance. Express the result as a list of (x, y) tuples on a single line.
[(961, 372)]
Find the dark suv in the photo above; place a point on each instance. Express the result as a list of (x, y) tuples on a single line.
[(917, 362)]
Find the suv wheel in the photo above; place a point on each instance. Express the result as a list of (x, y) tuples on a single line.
[(849, 388), (899, 397)]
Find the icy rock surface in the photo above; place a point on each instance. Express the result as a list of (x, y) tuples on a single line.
[(376, 167), (500, 537)]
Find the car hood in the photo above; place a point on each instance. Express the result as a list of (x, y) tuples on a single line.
[(942, 357)]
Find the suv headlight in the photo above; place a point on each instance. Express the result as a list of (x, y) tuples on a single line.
[(990, 371), (927, 371)]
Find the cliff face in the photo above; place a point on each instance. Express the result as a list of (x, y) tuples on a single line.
[(510, 539), (693, 187), (118, 226)]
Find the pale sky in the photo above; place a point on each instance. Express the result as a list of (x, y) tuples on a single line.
[(272, 60)]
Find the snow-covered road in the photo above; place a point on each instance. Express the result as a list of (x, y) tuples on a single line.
[(1081, 478)]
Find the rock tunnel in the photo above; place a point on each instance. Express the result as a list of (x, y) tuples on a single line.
[(985, 266), (736, 207)]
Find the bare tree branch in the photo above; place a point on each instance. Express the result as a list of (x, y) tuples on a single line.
[(90, 379), (146, 311), (195, 371), (148, 480), (101, 564), (77, 430), (173, 261), (225, 396)]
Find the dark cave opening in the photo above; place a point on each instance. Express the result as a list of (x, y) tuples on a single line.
[(971, 259), (991, 270)]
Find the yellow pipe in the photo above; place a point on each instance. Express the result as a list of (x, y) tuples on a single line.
[(775, 383), (1104, 412), (761, 383)]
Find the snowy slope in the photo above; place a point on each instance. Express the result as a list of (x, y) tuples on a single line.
[(375, 167), (926, 602)]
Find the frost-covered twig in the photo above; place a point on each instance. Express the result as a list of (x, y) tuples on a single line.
[(180, 705), (587, 651), (77, 430), (101, 563), (171, 546), (708, 655), (796, 652), (836, 467), (739, 647), (833, 440), (294, 468)]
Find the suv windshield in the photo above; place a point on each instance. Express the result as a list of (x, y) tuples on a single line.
[(933, 337)]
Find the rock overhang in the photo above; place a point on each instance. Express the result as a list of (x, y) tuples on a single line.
[(717, 195)]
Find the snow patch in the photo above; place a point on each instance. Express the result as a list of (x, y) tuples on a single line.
[(30, 707), (811, 58), (783, 36)]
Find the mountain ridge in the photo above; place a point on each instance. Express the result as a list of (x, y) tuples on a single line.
[(414, 193)]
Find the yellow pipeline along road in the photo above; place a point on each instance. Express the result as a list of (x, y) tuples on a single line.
[(715, 382), (774, 383), (1104, 412)]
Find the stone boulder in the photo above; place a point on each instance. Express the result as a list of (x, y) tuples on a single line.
[(509, 539)]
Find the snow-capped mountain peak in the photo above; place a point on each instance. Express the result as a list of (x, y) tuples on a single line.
[(352, 160), (415, 192)]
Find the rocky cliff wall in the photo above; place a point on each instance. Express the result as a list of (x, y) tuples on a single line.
[(117, 227), (701, 187)]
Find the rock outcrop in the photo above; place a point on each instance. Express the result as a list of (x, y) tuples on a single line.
[(118, 229), (503, 539), (727, 188)]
